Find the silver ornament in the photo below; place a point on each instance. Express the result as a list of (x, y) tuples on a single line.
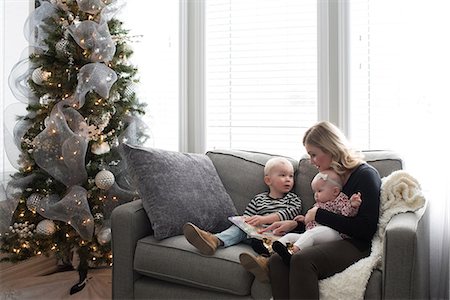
[(39, 76), (46, 227), (104, 179), (129, 90), (61, 47), (104, 236), (33, 201)]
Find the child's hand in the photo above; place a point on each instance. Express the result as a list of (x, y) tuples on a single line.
[(300, 218), (255, 220), (355, 200)]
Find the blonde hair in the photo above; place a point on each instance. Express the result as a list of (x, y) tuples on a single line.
[(330, 139), (275, 161)]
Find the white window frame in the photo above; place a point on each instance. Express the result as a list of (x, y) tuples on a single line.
[(332, 66), (192, 77)]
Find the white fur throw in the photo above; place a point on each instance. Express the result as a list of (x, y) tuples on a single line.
[(400, 192)]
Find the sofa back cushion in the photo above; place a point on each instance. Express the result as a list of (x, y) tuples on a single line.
[(384, 161), (242, 173)]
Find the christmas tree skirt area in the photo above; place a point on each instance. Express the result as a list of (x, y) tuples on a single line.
[(40, 278)]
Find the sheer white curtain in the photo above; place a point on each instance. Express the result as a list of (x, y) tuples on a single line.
[(399, 53)]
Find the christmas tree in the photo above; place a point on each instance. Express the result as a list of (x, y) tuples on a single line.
[(79, 90)]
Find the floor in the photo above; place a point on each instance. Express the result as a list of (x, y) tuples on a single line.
[(40, 278)]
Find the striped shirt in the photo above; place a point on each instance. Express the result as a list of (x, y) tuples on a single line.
[(287, 207)]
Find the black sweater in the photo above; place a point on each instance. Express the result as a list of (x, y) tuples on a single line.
[(361, 228)]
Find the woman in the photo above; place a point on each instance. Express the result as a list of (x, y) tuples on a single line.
[(328, 148)]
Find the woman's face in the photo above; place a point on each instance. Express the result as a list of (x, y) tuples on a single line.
[(320, 159)]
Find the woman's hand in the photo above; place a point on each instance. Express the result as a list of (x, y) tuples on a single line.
[(311, 215), (281, 227)]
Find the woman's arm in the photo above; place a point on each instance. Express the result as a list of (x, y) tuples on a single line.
[(365, 180), (281, 227)]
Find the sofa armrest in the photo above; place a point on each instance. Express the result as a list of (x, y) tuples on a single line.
[(406, 256), (129, 223)]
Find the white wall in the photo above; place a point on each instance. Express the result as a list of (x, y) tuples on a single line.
[(13, 14)]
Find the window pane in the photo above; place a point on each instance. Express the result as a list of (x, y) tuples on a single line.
[(261, 74)]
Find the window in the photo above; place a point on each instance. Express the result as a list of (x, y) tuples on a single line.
[(260, 74)]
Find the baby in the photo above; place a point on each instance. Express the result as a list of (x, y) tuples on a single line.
[(327, 187)]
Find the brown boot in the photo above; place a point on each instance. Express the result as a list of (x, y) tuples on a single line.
[(257, 265), (204, 241)]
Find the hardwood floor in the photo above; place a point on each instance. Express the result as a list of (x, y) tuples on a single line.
[(40, 278)]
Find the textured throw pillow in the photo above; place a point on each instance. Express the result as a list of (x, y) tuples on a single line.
[(177, 188)]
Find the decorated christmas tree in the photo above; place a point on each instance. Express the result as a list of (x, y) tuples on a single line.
[(79, 90)]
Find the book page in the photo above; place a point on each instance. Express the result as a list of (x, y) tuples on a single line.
[(252, 231)]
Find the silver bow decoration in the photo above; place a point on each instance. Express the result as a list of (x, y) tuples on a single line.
[(9, 199), (94, 77), (72, 209), (111, 10), (19, 76), (59, 150), (95, 38), (91, 6), (33, 29)]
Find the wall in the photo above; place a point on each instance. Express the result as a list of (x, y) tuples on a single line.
[(13, 14)]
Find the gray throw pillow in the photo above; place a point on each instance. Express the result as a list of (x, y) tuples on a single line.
[(176, 188)]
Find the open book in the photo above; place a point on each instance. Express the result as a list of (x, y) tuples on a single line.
[(252, 231)]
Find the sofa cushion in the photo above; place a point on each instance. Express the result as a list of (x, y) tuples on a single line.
[(175, 260), (249, 165), (177, 188)]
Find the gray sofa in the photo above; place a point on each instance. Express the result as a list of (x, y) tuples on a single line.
[(144, 267)]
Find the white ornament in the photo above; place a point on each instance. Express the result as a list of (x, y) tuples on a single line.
[(45, 99), (33, 201), (39, 76), (104, 236), (46, 227), (101, 148), (98, 216), (104, 179)]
